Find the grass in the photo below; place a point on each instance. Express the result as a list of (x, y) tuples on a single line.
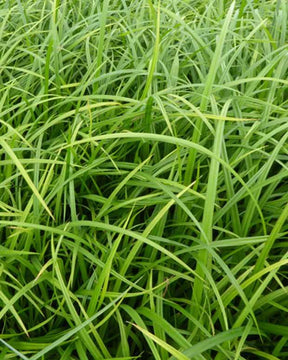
[(143, 179)]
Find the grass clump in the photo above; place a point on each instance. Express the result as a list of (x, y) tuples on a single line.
[(143, 182)]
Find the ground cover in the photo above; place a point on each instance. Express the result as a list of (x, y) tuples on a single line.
[(143, 179)]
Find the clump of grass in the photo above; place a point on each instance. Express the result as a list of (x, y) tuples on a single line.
[(143, 182)]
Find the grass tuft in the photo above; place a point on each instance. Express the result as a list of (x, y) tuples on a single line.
[(143, 179)]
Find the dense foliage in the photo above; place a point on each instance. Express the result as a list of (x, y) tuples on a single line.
[(143, 179)]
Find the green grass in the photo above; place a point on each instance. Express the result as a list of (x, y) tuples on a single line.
[(143, 179)]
